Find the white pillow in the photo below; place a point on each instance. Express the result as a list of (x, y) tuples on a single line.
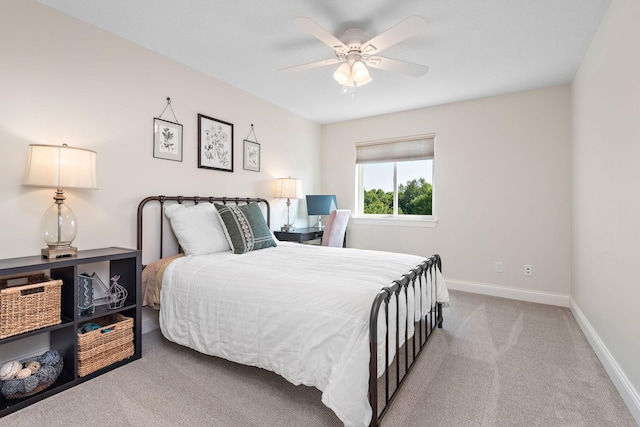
[(197, 228)]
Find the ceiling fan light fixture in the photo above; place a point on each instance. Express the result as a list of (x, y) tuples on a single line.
[(360, 73), (363, 82), (358, 70), (343, 74)]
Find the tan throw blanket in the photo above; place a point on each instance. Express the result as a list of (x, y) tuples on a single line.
[(152, 281)]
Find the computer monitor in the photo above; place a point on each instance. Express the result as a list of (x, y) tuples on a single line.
[(321, 204)]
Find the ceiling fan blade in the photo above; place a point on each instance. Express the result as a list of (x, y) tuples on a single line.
[(410, 27), (397, 66), (310, 65), (311, 27)]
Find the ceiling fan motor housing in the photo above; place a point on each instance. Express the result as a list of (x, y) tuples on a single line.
[(353, 38)]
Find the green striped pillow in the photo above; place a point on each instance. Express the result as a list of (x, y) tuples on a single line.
[(245, 227)]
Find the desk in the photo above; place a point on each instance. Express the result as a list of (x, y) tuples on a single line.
[(300, 235)]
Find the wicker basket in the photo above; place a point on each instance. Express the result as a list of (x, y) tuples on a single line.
[(43, 381), (28, 307), (109, 344)]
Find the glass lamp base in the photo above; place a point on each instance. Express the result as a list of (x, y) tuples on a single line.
[(59, 251), (288, 218)]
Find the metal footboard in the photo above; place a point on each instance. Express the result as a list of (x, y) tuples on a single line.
[(419, 278)]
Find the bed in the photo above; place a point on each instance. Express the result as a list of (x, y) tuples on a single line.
[(350, 322)]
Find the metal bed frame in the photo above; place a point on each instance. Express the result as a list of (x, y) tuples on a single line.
[(383, 390)]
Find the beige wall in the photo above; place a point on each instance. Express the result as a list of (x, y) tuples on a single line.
[(605, 288), (64, 81), (502, 190)]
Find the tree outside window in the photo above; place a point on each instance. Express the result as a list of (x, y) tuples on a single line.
[(414, 196)]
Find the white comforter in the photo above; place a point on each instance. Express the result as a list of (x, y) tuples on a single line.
[(298, 310)]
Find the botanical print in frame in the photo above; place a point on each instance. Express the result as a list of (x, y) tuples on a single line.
[(251, 156), (215, 144), (167, 140)]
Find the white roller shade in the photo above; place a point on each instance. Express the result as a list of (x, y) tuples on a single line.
[(397, 150)]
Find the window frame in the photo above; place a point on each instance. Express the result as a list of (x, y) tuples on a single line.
[(395, 218)]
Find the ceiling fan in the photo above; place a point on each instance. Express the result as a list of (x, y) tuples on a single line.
[(354, 52)]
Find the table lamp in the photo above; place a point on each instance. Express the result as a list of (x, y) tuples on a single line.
[(289, 188), (60, 167)]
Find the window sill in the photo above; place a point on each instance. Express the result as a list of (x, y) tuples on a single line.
[(396, 221)]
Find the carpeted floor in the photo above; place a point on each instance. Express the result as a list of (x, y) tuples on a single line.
[(496, 362)]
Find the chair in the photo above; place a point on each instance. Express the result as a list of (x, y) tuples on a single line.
[(335, 228)]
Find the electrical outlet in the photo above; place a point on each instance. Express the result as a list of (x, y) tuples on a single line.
[(499, 267), (528, 270)]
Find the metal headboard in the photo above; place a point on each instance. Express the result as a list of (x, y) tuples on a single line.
[(195, 199)]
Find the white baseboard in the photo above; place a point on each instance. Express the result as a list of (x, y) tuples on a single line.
[(529, 295), (625, 388)]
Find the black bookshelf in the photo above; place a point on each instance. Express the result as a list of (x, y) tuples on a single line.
[(63, 337)]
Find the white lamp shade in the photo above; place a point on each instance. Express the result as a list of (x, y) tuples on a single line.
[(61, 167), (288, 188)]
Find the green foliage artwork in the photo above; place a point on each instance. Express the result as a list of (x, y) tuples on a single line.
[(414, 198)]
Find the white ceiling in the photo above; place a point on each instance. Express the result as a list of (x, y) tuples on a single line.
[(473, 48)]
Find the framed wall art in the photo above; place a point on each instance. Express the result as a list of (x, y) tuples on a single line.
[(251, 156), (167, 140), (215, 144)]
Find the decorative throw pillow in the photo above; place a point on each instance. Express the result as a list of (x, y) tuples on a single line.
[(246, 228), (197, 228)]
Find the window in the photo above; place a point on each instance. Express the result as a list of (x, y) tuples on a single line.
[(395, 177)]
